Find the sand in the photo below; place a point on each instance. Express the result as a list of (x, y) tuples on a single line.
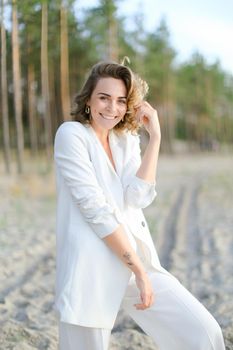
[(191, 221)]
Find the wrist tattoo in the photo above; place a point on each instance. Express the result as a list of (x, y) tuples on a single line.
[(127, 256)]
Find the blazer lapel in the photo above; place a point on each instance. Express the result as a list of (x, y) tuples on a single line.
[(117, 152)]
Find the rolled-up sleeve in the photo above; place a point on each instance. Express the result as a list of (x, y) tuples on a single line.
[(138, 193), (73, 162)]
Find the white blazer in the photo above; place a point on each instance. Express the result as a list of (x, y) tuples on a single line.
[(92, 200)]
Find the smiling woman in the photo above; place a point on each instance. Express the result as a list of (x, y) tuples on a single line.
[(116, 89), (108, 102), (106, 259), (107, 107)]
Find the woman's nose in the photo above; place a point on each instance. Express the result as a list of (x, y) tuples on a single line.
[(112, 106)]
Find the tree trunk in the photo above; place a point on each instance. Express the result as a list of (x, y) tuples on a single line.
[(45, 80), (17, 87), (56, 112), (112, 35), (168, 124), (112, 39), (4, 110), (170, 111), (65, 90), (32, 109)]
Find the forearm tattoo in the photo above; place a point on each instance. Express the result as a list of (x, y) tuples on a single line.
[(127, 256)]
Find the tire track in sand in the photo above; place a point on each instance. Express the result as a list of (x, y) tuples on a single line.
[(166, 241), (180, 243)]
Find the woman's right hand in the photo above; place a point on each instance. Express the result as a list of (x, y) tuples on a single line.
[(119, 242), (146, 292)]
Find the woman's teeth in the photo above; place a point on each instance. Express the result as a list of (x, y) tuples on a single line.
[(107, 117)]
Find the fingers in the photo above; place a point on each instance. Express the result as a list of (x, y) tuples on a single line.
[(141, 104), (147, 301), (144, 105), (146, 292), (141, 117), (144, 111)]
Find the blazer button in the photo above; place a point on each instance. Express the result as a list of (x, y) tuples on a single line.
[(143, 223)]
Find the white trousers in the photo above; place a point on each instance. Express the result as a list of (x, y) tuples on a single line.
[(176, 320)]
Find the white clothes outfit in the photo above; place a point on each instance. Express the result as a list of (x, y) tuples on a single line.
[(93, 199), (176, 320), (73, 337)]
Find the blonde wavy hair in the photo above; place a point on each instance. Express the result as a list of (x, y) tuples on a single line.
[(136, 91)]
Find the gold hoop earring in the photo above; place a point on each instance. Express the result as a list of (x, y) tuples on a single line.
[(87, 109)]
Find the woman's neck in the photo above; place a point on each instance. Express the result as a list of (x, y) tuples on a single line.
[(101, 133)]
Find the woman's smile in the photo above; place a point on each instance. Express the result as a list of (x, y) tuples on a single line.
[(108, 117)]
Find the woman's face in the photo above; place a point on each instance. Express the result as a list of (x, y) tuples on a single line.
[(108, 103)]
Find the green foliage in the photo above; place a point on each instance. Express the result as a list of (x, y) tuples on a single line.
[(204, 96), (195, 98)]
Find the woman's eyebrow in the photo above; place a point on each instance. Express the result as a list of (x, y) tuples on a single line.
[(103, 93)]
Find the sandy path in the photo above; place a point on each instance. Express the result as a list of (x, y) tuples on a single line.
[(191, 221), (27, 264), (195, 240)]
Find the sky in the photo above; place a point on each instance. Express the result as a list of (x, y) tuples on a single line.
[(196, 25)]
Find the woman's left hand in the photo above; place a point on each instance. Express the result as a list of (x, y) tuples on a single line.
[(148, 117)]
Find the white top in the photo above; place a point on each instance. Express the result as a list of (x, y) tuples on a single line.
[(92, 200)]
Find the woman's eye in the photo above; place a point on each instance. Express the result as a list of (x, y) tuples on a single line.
[(122, 102), (103, 97)]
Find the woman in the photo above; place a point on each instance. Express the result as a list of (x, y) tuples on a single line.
[(106, 259)]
